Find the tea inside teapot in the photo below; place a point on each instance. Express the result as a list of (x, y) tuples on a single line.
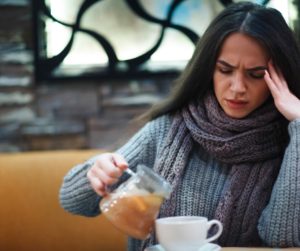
[(133, 207)]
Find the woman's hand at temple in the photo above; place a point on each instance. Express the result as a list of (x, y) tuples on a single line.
[(106, 171), (286, 102)]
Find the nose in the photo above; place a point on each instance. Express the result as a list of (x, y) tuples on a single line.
[(238, 84)]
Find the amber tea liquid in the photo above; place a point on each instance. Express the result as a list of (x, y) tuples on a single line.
[(133, 215)]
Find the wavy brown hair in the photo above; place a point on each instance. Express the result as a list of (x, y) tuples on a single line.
[(264, 24)]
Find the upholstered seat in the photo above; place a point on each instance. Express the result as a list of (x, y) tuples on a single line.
[(31, 217)]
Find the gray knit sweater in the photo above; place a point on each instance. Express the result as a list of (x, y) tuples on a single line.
[(201, 186)]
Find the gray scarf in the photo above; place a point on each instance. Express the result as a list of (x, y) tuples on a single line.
[(254, 146)]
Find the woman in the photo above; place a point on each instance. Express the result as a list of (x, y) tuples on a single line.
[(221, 137)]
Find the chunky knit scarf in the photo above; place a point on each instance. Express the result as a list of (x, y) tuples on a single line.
[(254, 146)]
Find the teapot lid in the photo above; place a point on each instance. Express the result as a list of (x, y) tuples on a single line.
[(153, 182)]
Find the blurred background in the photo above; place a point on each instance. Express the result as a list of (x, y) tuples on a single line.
[(74, 73)]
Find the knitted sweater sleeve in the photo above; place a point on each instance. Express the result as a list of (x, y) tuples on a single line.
[(279, 224), (76, 194)]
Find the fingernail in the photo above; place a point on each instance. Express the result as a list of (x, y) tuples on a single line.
[(267, 73)]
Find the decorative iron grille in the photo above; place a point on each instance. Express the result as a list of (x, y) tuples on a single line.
[(51, 67)]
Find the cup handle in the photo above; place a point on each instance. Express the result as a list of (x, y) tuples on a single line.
[(209, 224)]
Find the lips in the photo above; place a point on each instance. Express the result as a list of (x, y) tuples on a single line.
[(235, 103)]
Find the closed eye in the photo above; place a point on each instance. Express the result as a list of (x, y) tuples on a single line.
[(225, 72), (257, 77)]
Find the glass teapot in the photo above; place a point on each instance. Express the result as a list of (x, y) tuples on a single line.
[(134, 205)]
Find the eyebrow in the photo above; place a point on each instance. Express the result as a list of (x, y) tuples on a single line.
[(258, 68)]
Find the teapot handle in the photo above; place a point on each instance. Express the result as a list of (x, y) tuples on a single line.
[(129, 171), (108, 187)]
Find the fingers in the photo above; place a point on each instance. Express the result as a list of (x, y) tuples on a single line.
[(109, 166), (277, 77), (282, 81), (107, 170), (286, 102), (280, 75), (273, 88), (272, 73), (97, 185), (108, 178), (119, 161)]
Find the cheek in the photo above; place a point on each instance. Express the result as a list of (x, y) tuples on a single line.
[(219, 84), (261, 94)]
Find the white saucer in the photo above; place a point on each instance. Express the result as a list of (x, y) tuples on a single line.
[(210, 247), (205, 247)]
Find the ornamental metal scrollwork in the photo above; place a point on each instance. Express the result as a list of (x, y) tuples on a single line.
[(45, 66), (226, 3)]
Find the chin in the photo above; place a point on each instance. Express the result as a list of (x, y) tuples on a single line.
[(236, 114)]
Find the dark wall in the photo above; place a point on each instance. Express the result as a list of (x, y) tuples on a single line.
[(77, 115)]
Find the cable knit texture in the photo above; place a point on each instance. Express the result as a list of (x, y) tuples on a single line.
[(254, 145), (279, 224), (202, 185)]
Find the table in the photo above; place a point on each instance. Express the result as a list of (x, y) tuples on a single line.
[(258, 249)]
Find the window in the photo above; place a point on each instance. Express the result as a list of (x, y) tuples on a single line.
[(87, 39)]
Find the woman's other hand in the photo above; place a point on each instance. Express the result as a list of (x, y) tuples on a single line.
[(286, 102), (106, 171)]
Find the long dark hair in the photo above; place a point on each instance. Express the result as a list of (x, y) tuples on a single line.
[(264, 24)]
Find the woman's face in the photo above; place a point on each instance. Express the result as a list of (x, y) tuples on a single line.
[(239, 75)]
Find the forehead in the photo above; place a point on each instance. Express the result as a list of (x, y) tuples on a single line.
[(239, 47)]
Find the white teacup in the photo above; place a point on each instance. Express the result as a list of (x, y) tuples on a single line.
[(186, 233)]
